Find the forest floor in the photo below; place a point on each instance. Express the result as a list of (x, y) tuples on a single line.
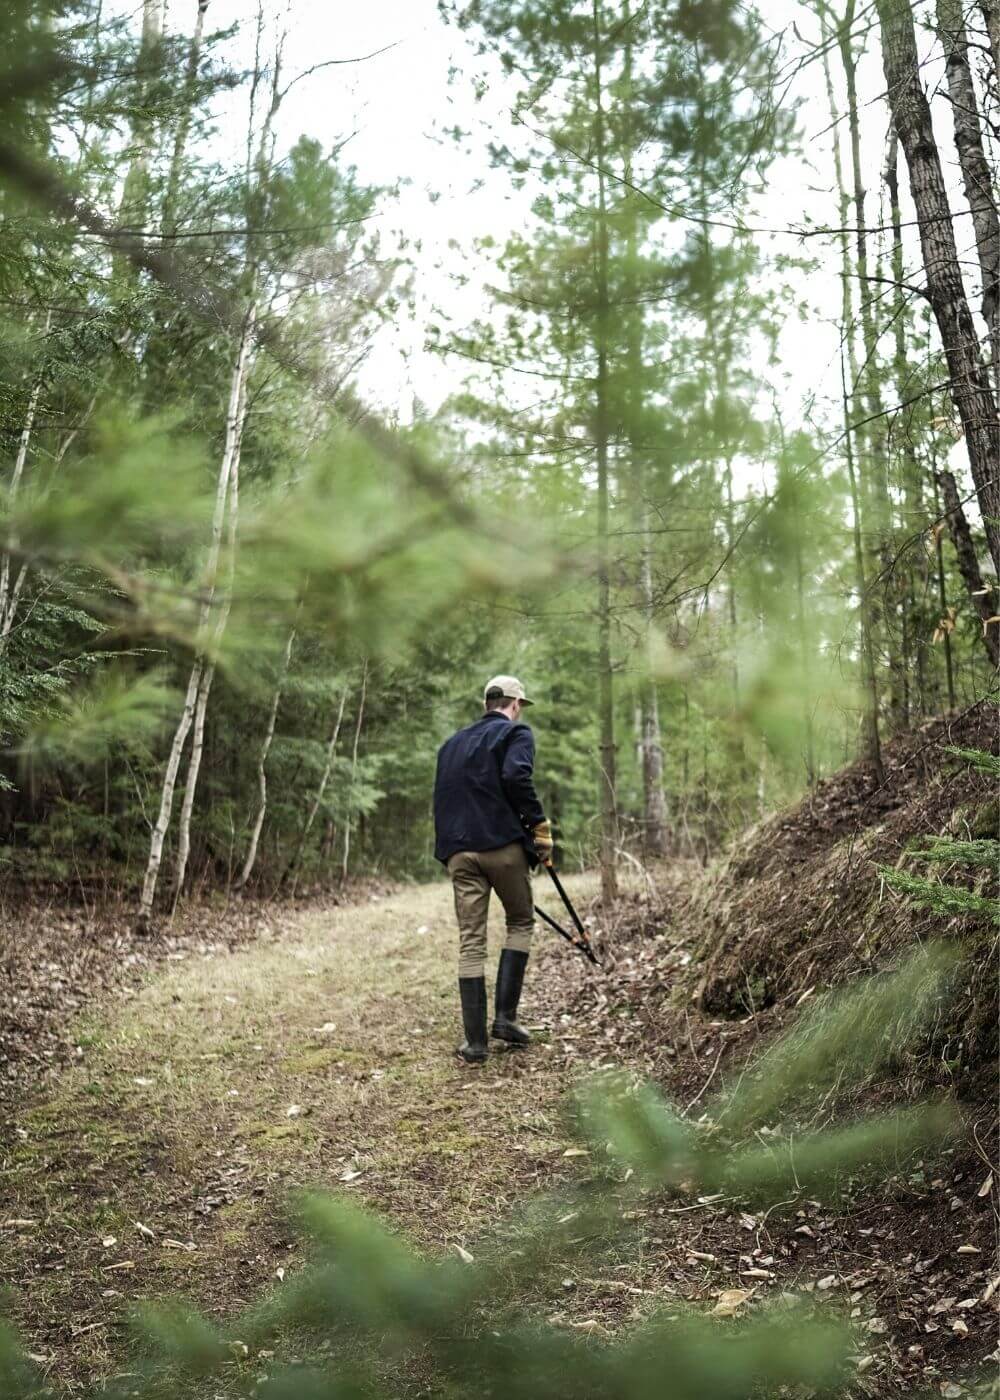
[(162, 1156)]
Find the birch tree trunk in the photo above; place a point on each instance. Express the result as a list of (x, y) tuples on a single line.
[(10, 590), (977, 178), (208, 668), (331, 750), (265, 749), (354, 767), (235, 408), (970, 386)]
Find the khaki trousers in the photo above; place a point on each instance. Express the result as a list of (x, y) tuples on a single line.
[(473, 875)]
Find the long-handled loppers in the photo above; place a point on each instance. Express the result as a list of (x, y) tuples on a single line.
[(579, 939)]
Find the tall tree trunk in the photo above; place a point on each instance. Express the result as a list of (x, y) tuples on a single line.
[(168, 223), (331, 749), (133, 206), (871, 458), (871, 738), (609, 801), (983, 598), (977, 178), (970, 386), (654, 805), (265, 749), (208, 669), (354, 767), (913, 513), (233, 428), (872, 743)]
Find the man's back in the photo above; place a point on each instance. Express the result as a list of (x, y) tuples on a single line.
[(483, 792)]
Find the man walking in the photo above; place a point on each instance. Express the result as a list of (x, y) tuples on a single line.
[(490, 829)]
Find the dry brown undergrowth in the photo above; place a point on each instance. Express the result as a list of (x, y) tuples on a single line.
[(161, 1160)]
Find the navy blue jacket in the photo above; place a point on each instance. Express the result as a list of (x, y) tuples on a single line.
[(484, 796)]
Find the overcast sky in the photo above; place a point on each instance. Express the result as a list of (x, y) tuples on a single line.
[(394, 105)]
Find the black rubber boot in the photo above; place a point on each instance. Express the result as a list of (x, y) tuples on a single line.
[(510, 979), (472, 990)]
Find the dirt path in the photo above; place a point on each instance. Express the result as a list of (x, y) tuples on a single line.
[(164, 1159)]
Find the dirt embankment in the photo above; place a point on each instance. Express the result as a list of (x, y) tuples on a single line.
[(801, 904)]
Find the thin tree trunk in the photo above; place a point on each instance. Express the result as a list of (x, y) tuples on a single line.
[(168, 223), (970, 387), (990, 10), (208, 670), (132, 207), (331, 750), (608, 802), (9, 594), (943, 602), (871, 457), (354, 767), (977, 178), (968, 564), (230, 447), (852, 408), (265, 749), (873, 745), (655, 819)]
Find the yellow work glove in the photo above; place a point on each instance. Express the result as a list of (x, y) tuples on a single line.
[(542, 837)]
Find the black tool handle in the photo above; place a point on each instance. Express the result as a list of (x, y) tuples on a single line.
[(577, 922)]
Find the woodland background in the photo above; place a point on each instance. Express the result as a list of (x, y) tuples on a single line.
[(240, 607), (697, 433)]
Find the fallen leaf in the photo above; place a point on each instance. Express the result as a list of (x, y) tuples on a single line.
[(464, 1255), (189, 1248), (576, 1152), (108, 1241), (969, 1249), (349, 1174), (960, 1326), (144, 1231), (731, 1300), (293, 1110), (143, 1083), (827, 1282), (878, 1326), (986, 1187), (325, 1028)]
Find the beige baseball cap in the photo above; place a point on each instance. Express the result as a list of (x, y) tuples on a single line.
[(511, 687)]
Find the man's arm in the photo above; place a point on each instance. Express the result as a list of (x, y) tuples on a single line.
[(516, 776)]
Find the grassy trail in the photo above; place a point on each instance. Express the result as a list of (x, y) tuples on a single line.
[(165, 1159)]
